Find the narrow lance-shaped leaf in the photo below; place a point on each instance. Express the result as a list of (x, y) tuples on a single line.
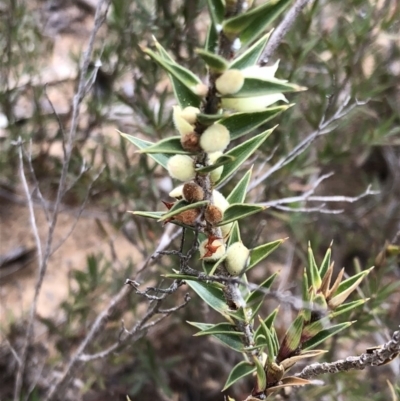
[(268, 321), (346, 288), (347, 307), (240, 124), (261, 252), (242, 369), (253, 87), (234, 235), (251, 55), (259, 293), (270, 343), (241, 153), (150, 215), (220, 328), (263, 20), (171, 145), (215, 62), (238, 194), (261, 381), (182, 206), (210, 295), (326, 262), (221, 161), (291, 341), (291, 381), (289, 362), (217, 10), (229, 340), (325, 334), (239, 211), (313, 273), (161, 159)]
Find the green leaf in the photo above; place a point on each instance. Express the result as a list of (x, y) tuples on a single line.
[(325, 263), (313, 273), (208, 119), (291, 341), (183, 75), (261, 376), (240, 124), (220, 328), (239, 211), (251, 55), (347, 307), (211, 38), (238, 194), (269, 341), (241, 370), (210, 295), (254, 22), (221, 161), (229, 340), (150, 215), (171, 145), (182, 206), (264, 18), (241, 153), (234, 234), (268, 322), (325, 334), (306, 296), (261, 252), (253, 87), (161, 159), (217, 10), (215, 62), (184, 96)]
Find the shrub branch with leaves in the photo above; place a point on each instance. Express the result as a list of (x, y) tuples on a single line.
[(240, 96)]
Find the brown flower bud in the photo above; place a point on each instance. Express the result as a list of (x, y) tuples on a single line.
[(192, 192), (190, 142), (213, 214)]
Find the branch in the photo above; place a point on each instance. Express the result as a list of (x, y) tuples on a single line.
[(375, 357), (282, 30)]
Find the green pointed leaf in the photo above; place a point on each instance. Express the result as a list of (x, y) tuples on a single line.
[(161, 159), (263, 20), (268, 322), (207, 266), (215, 62), (254, 87), (150, 215), (183, 95), (239, 211), (171, 145), (251, 55), (238, 194), (216, 264), (261, 376), (269, 341), (229, 340), (221, 161), (210, 295), (259, 293), (242, 369), (325, 263), (306, 296), (347, 307), (261, 252), (325, 334), (350, 282), (234, 234), (291, 341), (208, 119), (313, 273), (275, 340), (240, 124), (220, 328), (211, 38), (217, 10), (182, 206), (182, 74), (241, 153)]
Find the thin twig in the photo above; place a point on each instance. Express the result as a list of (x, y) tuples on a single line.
[(281, 30), (101, 13), (376, 357)]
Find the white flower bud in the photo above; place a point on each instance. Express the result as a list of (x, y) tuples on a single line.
[(237, 258), (181, 167), (215, 175), (219, 200), (212, 251), (251, 104), (200, 90), (177, 192), (226, 230), (181, 124), (215, 138), (189, 114), (230, 82)]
